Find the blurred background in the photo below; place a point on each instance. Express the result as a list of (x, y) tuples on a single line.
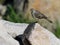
[(18, 11)]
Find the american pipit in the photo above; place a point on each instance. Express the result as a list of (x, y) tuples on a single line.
[(38, 15)]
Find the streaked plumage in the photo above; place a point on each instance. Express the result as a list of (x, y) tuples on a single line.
[(38, 15)]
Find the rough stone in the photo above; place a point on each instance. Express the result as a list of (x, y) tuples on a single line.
[(9, 30), (41, 36), (5, 38)]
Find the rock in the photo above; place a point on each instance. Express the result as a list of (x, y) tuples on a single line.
[(23, 39), (5, 38), (14, 29), (9, 30), (35, 34)]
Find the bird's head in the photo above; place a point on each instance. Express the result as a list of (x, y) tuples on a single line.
[(34, 12)]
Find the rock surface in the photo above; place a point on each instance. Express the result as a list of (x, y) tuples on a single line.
[(41, 36), (9, 30), (38, 35), (14, 29), (5, 38)]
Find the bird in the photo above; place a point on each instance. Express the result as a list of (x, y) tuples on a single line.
[(38, 15)]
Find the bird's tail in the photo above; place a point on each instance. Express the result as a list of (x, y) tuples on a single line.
[(49, 20)]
